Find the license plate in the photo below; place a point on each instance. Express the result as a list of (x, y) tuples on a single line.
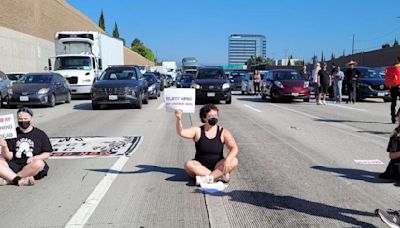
[(381, 94), (295, 94), (112, 97), (23, 98), (74, 90), (210, 94)]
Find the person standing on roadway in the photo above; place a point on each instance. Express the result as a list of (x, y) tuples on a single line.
[(324, 80), (256, 82), (209, 163), (351, 76), (394, 95), (314, 81)]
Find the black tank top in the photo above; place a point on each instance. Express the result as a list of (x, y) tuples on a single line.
[(209, 149)]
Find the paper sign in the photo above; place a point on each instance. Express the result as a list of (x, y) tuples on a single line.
[(7, 127), (182, 98), (369, 162)]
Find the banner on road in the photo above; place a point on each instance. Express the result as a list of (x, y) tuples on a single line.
[(94, 146), (369, 162), (182, 98), (7, 127)]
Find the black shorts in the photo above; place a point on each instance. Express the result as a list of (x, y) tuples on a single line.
[(209, 163), (323, 88), (16, 167)]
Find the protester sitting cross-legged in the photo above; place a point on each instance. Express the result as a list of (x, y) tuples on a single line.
[(209, 164), (23, 157), (393, 169)]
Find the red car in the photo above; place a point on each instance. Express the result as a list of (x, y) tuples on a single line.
[(285, 84)]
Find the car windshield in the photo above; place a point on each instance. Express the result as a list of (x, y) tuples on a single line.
[(119, 74), (73, 62), (211, 74), (287, 75), (187, 78), (35, 78), (150, 78), (369, 73), (14, 77)]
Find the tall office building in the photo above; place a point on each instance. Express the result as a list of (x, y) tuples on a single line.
[(243, 46)]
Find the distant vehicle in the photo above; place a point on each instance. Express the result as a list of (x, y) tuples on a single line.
[(160, 79), (370, 84), (236, 79), (170, 68), (189, 65), (120, 85), (5, 83), (285, 84), (39, 89), (153, 84), (212, 84), (82, 55), (185, 81), (170, 80)]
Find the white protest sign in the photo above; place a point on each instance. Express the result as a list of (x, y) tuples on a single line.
[(182, 98), (7, 127)]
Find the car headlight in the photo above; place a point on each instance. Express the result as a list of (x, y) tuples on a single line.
[(10, 91), (43, 91), (306, 84), (226, 86), (278, 84), (196, 86), (152, 87)]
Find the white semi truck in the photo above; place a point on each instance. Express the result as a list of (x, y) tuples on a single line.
[(81, 56)]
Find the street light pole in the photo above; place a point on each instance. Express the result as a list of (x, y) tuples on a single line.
[(352, 46)]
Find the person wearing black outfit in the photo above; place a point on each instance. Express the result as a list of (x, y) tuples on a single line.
[(24, 156), (209, 163), (350, 80), (324, 80), (305, 73), (394, 94)]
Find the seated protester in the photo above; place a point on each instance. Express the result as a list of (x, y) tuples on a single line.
[(393, 169), (23, 157)]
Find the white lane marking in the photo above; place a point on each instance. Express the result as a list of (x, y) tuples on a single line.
[(347, 107), (330, 123), (83, 214), (369, 162), (254, 109), (161, 106)]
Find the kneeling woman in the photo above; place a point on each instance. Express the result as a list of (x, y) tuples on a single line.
[(209, 163)]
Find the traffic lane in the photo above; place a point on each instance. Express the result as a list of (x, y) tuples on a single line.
[(335, 146), (154, 190), (291, 165), (369, 117), (66, 121)]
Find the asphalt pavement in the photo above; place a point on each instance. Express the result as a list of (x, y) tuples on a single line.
[(296, 168)]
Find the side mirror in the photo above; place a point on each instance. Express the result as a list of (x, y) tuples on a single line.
[(100, 64), (49, 64)]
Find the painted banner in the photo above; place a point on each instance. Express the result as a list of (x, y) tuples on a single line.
[(182, 98), (94, 146), (7, 127)]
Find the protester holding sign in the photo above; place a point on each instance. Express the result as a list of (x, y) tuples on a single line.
[(394, 94), (209, 163), (23, 157)]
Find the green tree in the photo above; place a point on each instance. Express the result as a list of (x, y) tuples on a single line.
[(101, 21), (385, 46), (396, 43), (138, 46), (116, 31)]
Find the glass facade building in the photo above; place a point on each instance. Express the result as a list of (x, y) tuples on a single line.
[(243, 46)]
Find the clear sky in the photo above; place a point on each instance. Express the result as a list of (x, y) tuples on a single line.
[(175, 29)]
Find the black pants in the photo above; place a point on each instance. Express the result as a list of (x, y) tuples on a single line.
[(256, 87), (394, 93), (352, 89), (16, 167)]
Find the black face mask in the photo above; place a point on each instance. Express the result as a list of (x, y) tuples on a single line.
[(213, 121), (24, 124)]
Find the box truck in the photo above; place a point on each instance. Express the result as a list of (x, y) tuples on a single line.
[(81, 56)]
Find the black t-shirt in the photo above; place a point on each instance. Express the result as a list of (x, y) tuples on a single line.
[(350, 74), (28, 145), (323, 77)]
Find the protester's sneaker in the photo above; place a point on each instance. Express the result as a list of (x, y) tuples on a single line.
[(323, 102), (204, 179), (27, 181), (389, 217), (319, 103), (3, 182)]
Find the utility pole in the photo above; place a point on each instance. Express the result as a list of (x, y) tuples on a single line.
[(352, 47)]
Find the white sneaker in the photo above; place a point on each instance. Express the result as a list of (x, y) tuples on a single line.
[(323, 102), (319, 103), (3, 182), (204, 179), (28, 181)]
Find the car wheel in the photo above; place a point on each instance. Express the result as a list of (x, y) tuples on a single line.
[(95, 106), (228, 101), (263, 96), (52, 100), (139, 102), (146, 99), (242, 92), (69, 96)]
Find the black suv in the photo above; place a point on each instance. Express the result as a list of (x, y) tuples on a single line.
[(212, 84), (120, 85)]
